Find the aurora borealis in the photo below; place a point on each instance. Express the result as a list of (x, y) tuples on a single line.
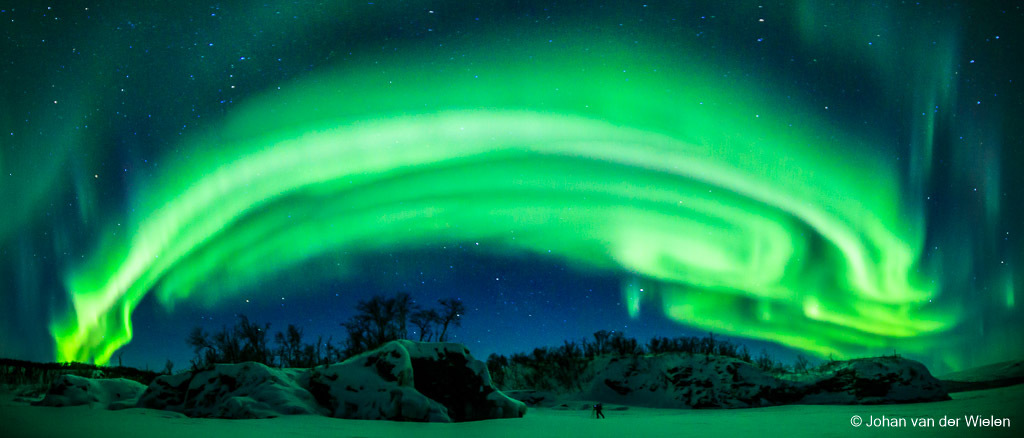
[(836, 181)]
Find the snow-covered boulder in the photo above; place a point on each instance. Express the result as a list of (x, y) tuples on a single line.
[(166, 392), (71, 390), (411, 381), (376, 385), (684, 381), (873, 381), (402, 380), (245, 390), (447, 373)]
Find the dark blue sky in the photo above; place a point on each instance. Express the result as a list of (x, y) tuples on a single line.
[(514, 304), (101, 89)]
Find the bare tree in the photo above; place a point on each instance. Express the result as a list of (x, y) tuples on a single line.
[(289, 345), (378, 312), (451, 314), (802, 364), (358, 329), (380, 320), (601, 341), (206, 352), (253, 340), (245, 341), (332, 354), (424, 320), (403, 306)]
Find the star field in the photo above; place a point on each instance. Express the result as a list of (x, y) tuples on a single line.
[(806, 177)]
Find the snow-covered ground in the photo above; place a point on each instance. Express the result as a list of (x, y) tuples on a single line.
[(19, 419)]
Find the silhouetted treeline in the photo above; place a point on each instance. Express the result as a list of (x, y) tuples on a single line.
[(562, 368), (381, 319), (378, 320), (243, 342), (22, 372)]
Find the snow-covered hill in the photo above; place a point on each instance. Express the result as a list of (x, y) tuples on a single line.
[(989, 376), (405, 380), (245, 390), (680, 380), (875, 380), (402, 380), (442, 382), (71, 390)]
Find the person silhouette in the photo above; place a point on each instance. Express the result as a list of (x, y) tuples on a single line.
[(598, 411)]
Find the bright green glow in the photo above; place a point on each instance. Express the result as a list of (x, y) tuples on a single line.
[(634, 294), (1010, 299), (743, 223), (869, 40)]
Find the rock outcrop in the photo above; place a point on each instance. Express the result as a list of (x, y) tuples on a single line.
[(442, 382), (699, 381), (245, 390), (71, 390), (875, 380), (402, 380), (406, 380), (685, 381)]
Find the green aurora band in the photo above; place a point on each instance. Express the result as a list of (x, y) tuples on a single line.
[(737, 209)]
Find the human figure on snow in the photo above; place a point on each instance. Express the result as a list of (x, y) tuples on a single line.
[(597, 411)]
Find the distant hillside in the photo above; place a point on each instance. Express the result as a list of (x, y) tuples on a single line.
[(985, 377), (686, 380)]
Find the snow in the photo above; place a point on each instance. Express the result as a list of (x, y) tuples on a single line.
[(246, 390), (442, 382), (873, 381), (681, 380), (21, 419), (405, 380), (448, 373), (989, 376), (998, 371), (402, 380), (377, 385), (546, 399), (166, 392), (71, 390)]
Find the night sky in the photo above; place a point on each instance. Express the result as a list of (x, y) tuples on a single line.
[(805, 176)]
